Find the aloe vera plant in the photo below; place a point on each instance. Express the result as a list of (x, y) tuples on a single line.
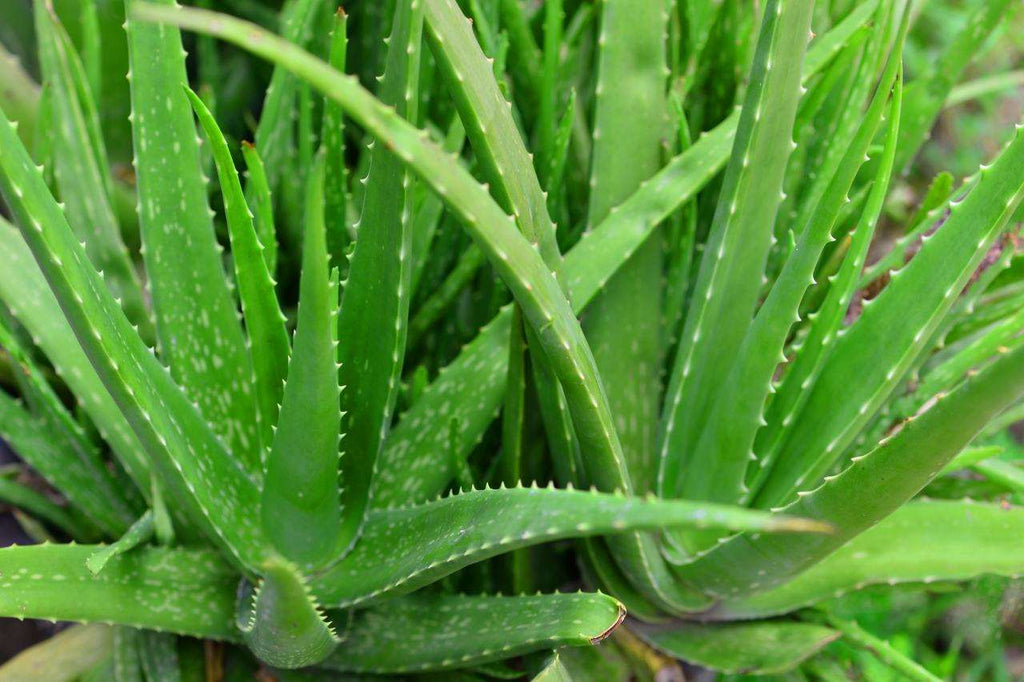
[(632, 232)]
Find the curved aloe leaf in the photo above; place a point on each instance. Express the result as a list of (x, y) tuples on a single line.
[(197, 326), (403, 549), (189, 592), (63, 657), (281, 623), (768, 648), (82, 169), (264, 321), (43, 508), (438, 632), (262, 204), (896, 327), (205, 479), (894, 472), (922, 542), (374, 317)]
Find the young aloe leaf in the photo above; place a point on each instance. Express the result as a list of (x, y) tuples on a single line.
[(375, 303), (19, 95), (768, 648), (139, 532), (264, 321), (439, 632), (82, 168), (411, 467), (403, 549), (204, 478), (630, 120), (262, 205), (332, 136), (127, 666), (299, 507), (43, 508), (158, 655), (189, 592), (61, 658), (281, 623), (49, 439), (729, 281), (827, 322), (896, 327), (922, 542), (198, 328), (894, 472), (24, 291)]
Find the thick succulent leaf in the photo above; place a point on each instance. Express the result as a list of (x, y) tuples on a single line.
[(158, 656), (471, 387), (374, 316), (63, 657), (763, 648), (403, 549), (139, 532), (127, 666), (299, 506), (197, 324), (630, 121), (281, 623), (487, 117), (332, 136), (189, 592), (729, 281), (264, 321), (894, 472), (827, 321), (81, 165), (724, 449), (872, 356), (922, 542), (205, 480), (262, 204), (24, 291), (440, 632)]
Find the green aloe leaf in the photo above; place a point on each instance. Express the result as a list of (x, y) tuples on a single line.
[(896, 326), (82, 169), (185, 591), (761, 648), (630, 121), (197, 325), (923, 542), (471, 387), (264, 321), (262, 204), (43, 508), (19, 95), (729, 281), (439, 632), (205, 480), (406, 548), (63, 657), (894, 472), (375, 303), (280, 621), (332, 136), (299, 506)]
